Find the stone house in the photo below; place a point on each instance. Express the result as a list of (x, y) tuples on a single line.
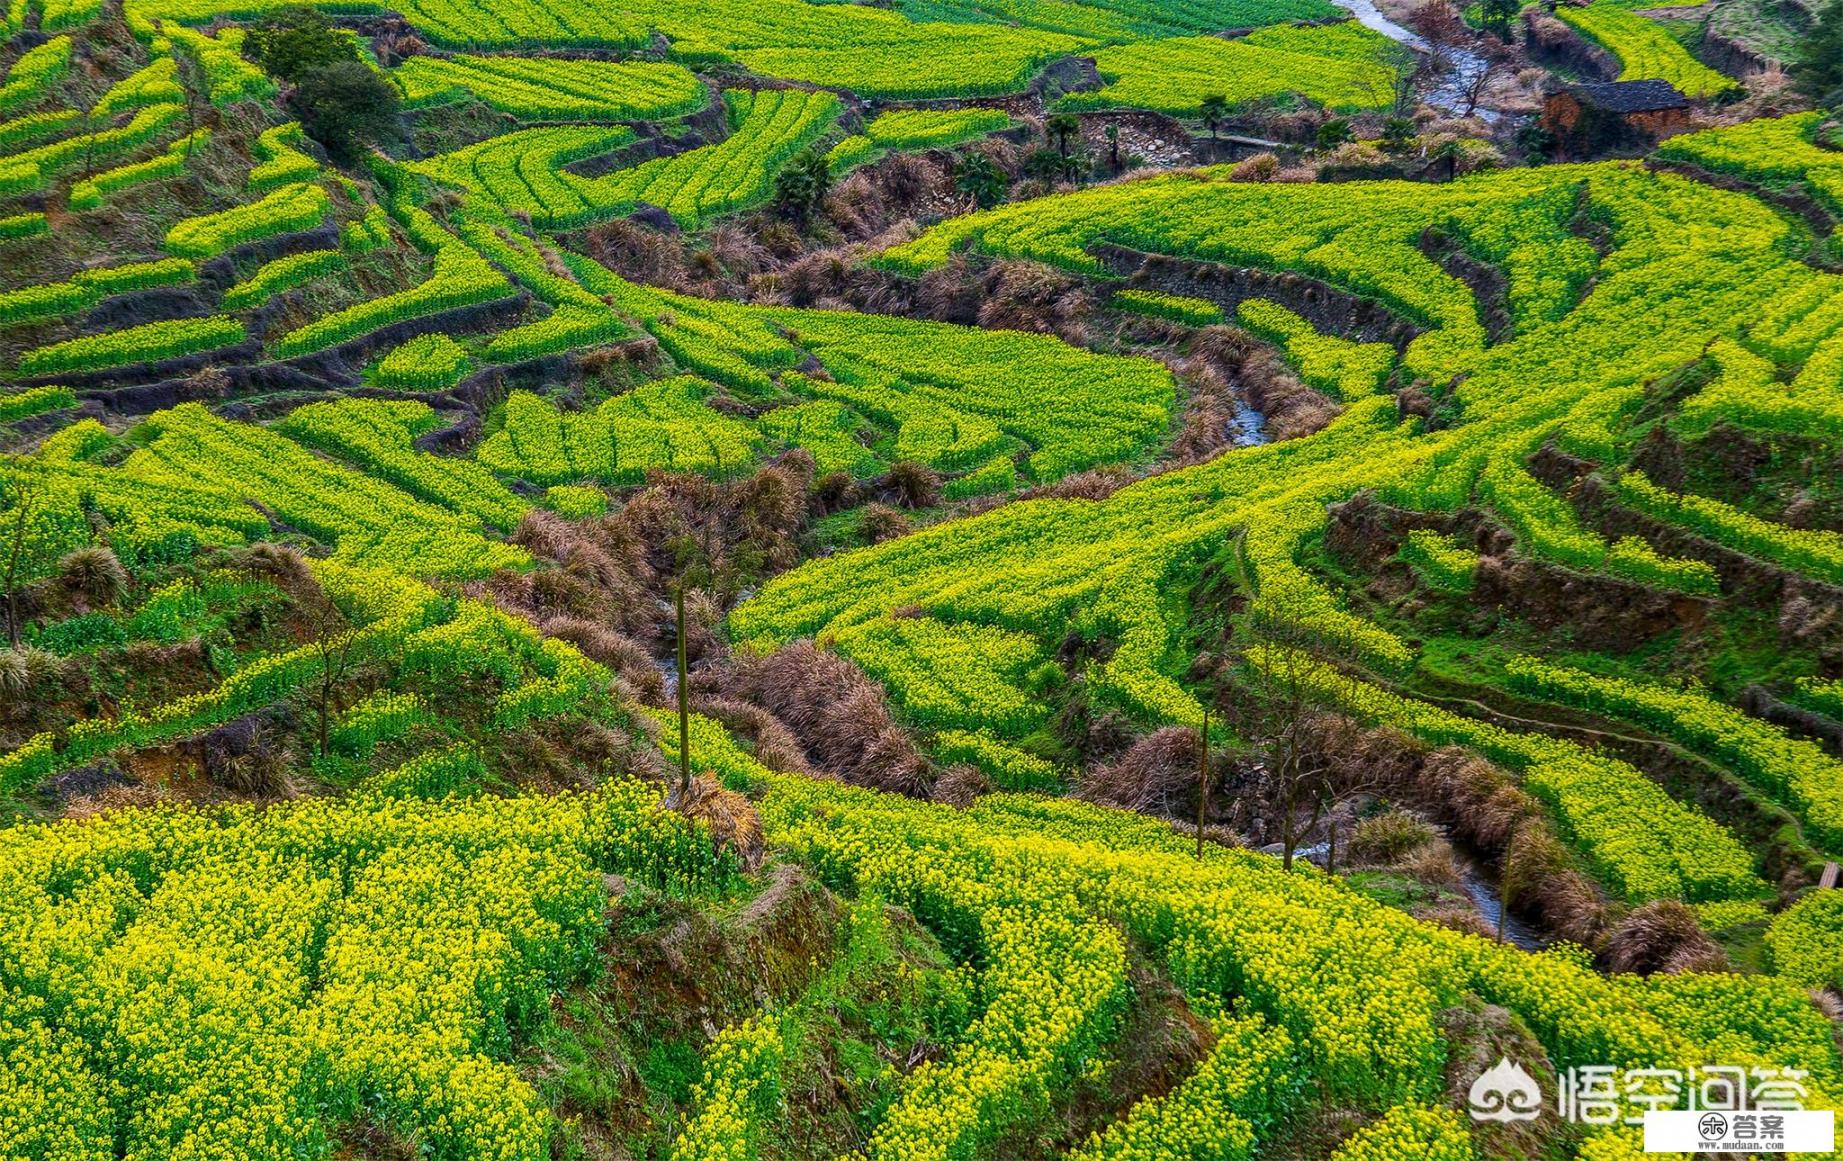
[(1613, 117)]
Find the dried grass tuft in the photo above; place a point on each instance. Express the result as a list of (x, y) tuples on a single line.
[(1662, 936), (734, 824)]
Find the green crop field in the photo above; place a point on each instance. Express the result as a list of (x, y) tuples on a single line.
[(950, 580)]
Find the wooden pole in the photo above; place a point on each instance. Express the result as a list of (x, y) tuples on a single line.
[(1202, 779), (684, 709)]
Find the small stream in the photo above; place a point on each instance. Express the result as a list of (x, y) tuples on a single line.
[(1249, 427), (1478, 887), (1449, 95), (1490, 906)]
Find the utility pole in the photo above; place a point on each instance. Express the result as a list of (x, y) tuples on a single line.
[(684, 709), (1202, 779)]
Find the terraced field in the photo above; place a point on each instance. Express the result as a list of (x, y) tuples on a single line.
[(815, 580)]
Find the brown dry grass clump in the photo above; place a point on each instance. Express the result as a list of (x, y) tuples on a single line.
[(775, 745), (1482, 808), (1158, 775), (840, 716), (610, 647), (1663, 936), (959, 785), (1262, 377), (734, 825)]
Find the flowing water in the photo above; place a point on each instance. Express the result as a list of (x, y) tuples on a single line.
[(1490, 906), (1248, 428), (1449, 96)]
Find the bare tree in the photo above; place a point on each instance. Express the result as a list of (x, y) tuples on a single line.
[(1474, 90), (20, 553), (331, 629), (683, 792), (1286, 678)]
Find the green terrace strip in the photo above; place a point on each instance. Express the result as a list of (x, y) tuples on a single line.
[(1793, 771), (194, 480), (19, 132), (1337, 366), (659, 425), (1771, 150), (1826, 697), (523, 172), (157, 84), (56, 14), (153, 342), (291, 209), (914, 52), (25, 225), (285, 273), (1645, 50), (377, 435), (1439, 562), (971, 677), (460, 278), (1818, 554), (1436, 1134), (89, 287), (91, 192), (1806, 940), (34, 73), (425, 363), (18, 405), (553, 90), (370, 520), (956, 397), (1196, 312), (228, 77), (282, 162), (933, 128), (575, 501), (1747, 391), (577, 318), (29, 172), (915, 129), (398, 609), (1340, 66)]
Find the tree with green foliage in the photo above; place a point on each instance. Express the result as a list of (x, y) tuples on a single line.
[(1112, 133), (1049, 165), (979, 178), (292, 42), (801, 188), (1397, 135), (1534, 141), (340, 101), (1214, 109), (1818, 71), (1496, 16), (346, 106), (1060, 128), (1335, 132)]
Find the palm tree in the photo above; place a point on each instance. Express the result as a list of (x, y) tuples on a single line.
[(976, 176), (1214, 109), (1062, 126)]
